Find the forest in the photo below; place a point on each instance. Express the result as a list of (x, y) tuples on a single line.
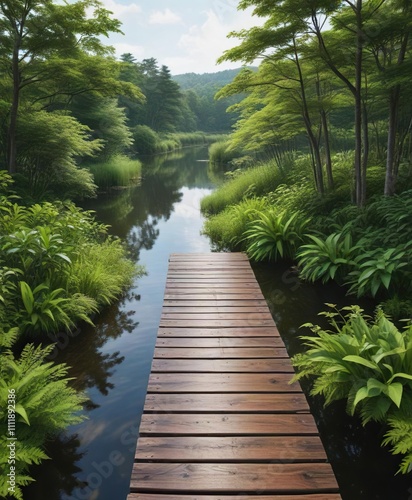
[(316, 143)]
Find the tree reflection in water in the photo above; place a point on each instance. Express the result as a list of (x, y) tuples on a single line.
[(109, 361)]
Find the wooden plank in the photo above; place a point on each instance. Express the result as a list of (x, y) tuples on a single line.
[(214, 303), (220, 382), (186, 295), (217, 342), (227, 424), (216, 315), (264, 331), (245, 285), (231, 403), (160, 496), (213, 309), (222, 352), (217, 279), (223, 365), (215, 323), (231, 449), (205, 264), (200, 273), (244, 478)]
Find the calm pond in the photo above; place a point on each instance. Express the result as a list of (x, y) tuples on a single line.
[(111, 362)]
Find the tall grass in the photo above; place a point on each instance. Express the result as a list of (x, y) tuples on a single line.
[(116, 171), (226, 229), (220, 152), (257, 181)]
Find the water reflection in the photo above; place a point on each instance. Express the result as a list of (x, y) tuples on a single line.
[(363, 469), (111, 362)]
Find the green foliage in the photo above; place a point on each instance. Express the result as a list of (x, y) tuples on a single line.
[(117, 171), (368, 363), (220, 152), (44, 250), (145, 140), (397, 307), (43, 402), (273, 235), (399, 436), (254, 182), (92, 273), (48, 145), (226, 229), (328, 259), (380, 268)]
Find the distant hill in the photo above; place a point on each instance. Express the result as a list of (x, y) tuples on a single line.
[(200, 89), (198, 82)]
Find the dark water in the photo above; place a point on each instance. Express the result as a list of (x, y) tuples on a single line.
[(111, 362)]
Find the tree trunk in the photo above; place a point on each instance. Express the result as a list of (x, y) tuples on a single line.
[(314, 143), (328, 157), (389, 189), (12, 146), (365, 156), (358, 108)]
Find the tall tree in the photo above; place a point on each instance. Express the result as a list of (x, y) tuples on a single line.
[(34, 31)]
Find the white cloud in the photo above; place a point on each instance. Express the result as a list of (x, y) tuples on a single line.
[(204, 44), (164, 17), (120, 10)]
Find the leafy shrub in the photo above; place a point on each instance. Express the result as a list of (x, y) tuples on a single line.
[(327, 259), (92, 274), (368, 363), (44, 405), (44, 249), (273, 235), (397, 307), (227, 228), (380, 268), (145, 140)]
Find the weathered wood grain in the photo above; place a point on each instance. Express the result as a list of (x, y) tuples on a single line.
[(231, 403), (227, 424), (223, 365), (245, 478), (222, 382)]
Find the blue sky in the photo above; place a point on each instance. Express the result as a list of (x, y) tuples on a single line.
[(185, 35)]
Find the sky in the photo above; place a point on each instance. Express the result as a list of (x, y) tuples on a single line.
[(185, 35)]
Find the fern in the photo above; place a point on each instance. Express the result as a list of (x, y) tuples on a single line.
[(44, 404), (399, 436)]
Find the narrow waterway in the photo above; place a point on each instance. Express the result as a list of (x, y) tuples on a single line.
[(112, 361)]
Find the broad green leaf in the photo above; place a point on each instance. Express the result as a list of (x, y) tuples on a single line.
[(361, 361), (395, 391)]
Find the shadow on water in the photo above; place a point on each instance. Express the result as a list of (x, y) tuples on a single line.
[(112, 361)]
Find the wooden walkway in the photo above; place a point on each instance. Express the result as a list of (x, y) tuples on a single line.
[(220, 420)]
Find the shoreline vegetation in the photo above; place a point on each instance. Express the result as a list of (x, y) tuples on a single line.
[(317, 149), (271, 211)]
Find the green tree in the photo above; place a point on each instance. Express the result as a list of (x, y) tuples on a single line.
[(35, 32)]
